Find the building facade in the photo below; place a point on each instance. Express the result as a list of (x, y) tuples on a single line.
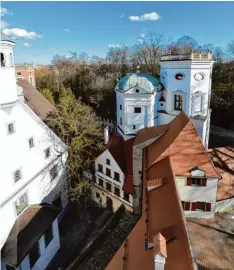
[(34, 158), (26, 72)]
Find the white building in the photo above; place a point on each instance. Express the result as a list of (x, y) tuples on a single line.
[(33, 160), (164, 115), (113, 184)]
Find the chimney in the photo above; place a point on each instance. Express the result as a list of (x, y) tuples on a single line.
[(160, 251), (106, 135)]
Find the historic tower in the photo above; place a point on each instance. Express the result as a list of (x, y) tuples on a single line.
[(187, 86), (136, 98), (8, 93)]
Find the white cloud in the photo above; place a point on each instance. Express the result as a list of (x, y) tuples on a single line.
[(4, 24), (115, 46), (67, 30), (4, 12), (153, 16), (26, 44), (20, 33), (121, 16)]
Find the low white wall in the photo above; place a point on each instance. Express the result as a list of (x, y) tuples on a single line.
[(224, 205)]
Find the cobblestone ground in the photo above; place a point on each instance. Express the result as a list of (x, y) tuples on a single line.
[(75, 227)]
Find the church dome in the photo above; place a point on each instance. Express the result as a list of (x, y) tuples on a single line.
[(5, 38), (137, 79)]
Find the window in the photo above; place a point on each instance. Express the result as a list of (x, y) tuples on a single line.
[(134, 127), (201, 206), (117, 192), (54, 172), (47, 152), (31, 80), (121, 121), (108, 172), (161, 104), (178, 102), (31, 143), (194, 206), (179, 76), (17, 175), (8, 267), (137, 109), (186, 205), (116, 176), (107, 161), (195, 181), (48, 235), (137, 91), (197, 102), (108, 186), (3, 63), (97, 195), (10, 128), (21, 203), (11, 60), (120, 106), (34, 255), (100, 182), (100, 168), (19, 73), (126, 197)]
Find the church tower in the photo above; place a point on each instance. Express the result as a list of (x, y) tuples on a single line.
[(136, 97), (187, 86), (8, 92)]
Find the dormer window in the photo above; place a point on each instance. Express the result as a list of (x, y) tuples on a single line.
[(197, 181), (137, 90)]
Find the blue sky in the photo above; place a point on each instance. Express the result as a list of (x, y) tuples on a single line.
[(47, 28)]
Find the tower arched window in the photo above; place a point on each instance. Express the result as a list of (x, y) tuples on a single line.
[(10, 60), (3, 60)]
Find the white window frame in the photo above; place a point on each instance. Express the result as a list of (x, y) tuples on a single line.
[(30, 147), (21, 176), (14, 203), (10, 123), (183, 95), (49, 152)]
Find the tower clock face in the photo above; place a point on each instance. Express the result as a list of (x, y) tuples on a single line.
[(164, 75), (199, 76)]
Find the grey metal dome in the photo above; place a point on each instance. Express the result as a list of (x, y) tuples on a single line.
[(5, 38)]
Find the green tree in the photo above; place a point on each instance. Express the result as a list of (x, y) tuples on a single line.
[(48, 95), (77, 126)]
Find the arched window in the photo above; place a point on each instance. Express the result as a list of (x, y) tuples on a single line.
[(3, 60), (10, 60)]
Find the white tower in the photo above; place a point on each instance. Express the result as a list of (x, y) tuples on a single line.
[(135, 97), (187, 82), (8, 92)]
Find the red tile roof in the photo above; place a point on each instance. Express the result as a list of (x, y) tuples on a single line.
[(122, 152), (183, 145), (160, 246), (35, 100), (155, 182), (223, 159), (213, 241), (159, 214)]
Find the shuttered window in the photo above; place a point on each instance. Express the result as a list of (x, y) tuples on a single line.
[(208, 207), (187, 206), (194, 206)]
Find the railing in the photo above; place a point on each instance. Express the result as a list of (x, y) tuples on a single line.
[(191, 56)]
